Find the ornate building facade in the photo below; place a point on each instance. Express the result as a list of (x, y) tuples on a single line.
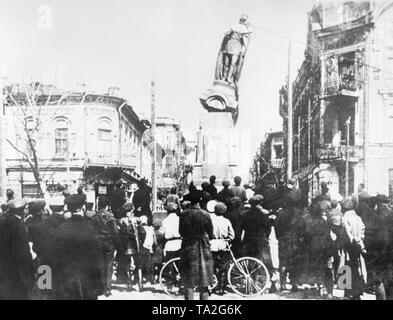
[(343, 96), (81, 138), (175, 152)]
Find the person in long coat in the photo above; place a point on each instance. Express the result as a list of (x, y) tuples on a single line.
[(106, 226), (196, 229), (233, 214), (256, 225), (118, 199), (141, 201), (16, 264), (77, 271), (211, 189), (355, 248)]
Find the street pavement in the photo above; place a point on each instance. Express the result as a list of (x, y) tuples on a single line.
[(154, 292)]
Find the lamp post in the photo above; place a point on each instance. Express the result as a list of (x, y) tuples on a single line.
[(347, 124), (154, 153)]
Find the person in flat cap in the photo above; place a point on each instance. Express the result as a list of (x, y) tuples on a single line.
[(222, 232), (354, 246), (256, 226), (77, 269), (38, 232), (170, 226), (225, 193), (256, 200), (106, 226), (16, 264), (196, 228)]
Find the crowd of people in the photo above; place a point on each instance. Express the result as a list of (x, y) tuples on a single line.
[(300, 243)]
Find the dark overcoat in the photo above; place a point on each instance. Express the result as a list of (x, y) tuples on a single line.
[(196, 229), (16, 265), (78, 267), (256, 226)]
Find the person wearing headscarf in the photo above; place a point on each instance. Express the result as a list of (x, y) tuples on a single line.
[(225, 193), (316, 245), (172, 197), (196, 229), (355, 248)]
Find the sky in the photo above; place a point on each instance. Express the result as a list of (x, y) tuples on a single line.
[(127, 43)]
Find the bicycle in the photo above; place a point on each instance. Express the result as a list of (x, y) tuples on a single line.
[(246, 276)]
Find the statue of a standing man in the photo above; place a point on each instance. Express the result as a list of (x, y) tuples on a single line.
[(233, 48)]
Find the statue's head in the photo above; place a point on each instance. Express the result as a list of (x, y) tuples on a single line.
[(243, 18)]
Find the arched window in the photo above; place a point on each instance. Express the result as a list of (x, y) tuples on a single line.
[(105, 136), (61, 138)]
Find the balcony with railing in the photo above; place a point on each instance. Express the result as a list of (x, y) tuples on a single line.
[(346, 85), (277, 163), (338, 153)]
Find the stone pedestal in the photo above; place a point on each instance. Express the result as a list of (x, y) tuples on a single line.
[(222, 150)]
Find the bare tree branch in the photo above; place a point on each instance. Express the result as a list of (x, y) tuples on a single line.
[(25, 155)]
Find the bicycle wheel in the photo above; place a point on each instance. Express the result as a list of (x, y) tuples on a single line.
[(170, 277), (248, 277)]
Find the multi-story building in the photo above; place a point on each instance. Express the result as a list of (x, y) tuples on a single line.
[(171, 138), (81, 138), (274, 149), (343, 99)]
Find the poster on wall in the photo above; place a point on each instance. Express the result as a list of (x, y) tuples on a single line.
[(102, 190)]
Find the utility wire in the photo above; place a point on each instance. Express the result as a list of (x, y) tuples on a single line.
[(280, 35), (298, 57)]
